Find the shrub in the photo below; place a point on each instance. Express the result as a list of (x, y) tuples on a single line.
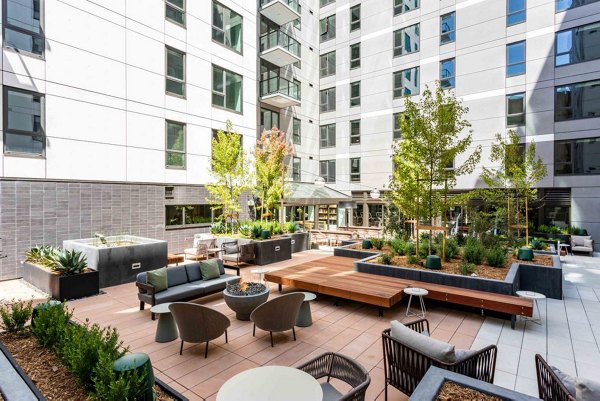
[(451, 248), (377, 243), (496, 257), (387, 258), (275, 228), (413, 260), (575, 230), (245, 230), (70, 262), (291, 227), (467, 268), (424, 250), (398, 246), (409, 248), (50, 324), (537, 244), (543, 228), (15, 316), (473, 251), (217, 228), (460, 238), (256, 230), (489, 240), (108, 387)]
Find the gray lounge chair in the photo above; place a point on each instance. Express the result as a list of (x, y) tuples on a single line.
[(278, 314)]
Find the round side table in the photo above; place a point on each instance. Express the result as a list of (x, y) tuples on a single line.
[(417, 292), (535, 296), (261, 274), (305, 316), (166, 330)]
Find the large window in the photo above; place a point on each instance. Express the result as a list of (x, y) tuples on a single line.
[(578, 44), (175, 153), (406, 82), (575, 101), (577, 156), (327, 64), (325, 2), (327, 170), (355, 17), (447, 28), (562, 5), (22, 22), (327, 28), (355, 94), (226, 89), (327, 136), (355, 169), (296, 131), (354, 132), (268, 119), (447, 73), (402, 6), (355, 55), (186, 215), (296, 169), (227, 27), (515, 109), (23, 122), (406, 40), (327, 100), (516, 12), (175, 80), (515, 59), (175, 11)]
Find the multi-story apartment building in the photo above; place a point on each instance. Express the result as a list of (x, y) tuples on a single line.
[(109, 107)]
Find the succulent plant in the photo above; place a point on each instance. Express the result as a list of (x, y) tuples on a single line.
[(70, 262)]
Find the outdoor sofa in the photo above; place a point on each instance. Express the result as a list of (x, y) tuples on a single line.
[(580, 243)]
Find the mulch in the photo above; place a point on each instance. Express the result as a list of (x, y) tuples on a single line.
[(451, 391)]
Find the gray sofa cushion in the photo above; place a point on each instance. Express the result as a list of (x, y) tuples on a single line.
[(221, 267), (182, 291), (193, 272), (217, 284), (176, 275), (426, 345), (587, 390), (567, 380)]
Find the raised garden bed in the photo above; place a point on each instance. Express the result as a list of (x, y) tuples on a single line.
[(62, 287), (300, 241), (353, 249), (272, 250)]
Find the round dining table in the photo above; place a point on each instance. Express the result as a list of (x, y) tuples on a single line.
[(271, 383)]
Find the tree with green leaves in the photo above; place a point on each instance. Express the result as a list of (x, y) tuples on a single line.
[(270, 154), (230, 171), (518, 172), (434, 132)]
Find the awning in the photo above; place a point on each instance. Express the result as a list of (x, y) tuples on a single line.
[(306, 193)]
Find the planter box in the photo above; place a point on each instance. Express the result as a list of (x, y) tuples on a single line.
[(347, 251), (546, 280), (434, 379), (62, 287), (14, 382), (119, 265), (272, 250), (300, 242)]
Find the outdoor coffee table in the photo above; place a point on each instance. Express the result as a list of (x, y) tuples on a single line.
[(305, 316), (272, 383), (418, 292), (166, 330), (173, 258), (535, 296)]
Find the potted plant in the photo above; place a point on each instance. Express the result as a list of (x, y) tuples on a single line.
[(63, 274), (244, 297)]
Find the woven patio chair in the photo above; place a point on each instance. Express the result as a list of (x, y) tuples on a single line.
[(278, 314), (550, 387)]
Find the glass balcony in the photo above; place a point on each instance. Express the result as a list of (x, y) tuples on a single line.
[(280, 92), (280, 12), (279, 48)]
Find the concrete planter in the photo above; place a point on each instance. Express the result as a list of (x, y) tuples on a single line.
[(272, 250), (121, 264), (62, 287), (243, 305), (347, 251), (300, 241)]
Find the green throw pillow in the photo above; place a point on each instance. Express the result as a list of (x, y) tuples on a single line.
[(158, 279), (209, 269)]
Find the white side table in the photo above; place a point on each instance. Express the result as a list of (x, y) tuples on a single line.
[(535, 296), (261, 274), (418, 292)]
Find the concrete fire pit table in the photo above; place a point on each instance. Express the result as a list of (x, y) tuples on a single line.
[(244, 303)]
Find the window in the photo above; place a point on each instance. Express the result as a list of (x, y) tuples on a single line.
[(327, 170), (578, 44), (562, 5), (515, 109), (268, 119), (355, 55), (355, 94), (296, 169), (447, 28), (397, 132), (406, 82), (227, 27), (226, 89), (175, 11), (515, 59), (577, 101), (406, 40), (516, 12), (354, 132), (175, 81), (403, 6), (327, 28), (577, 156), (327, 100), (296, 131), (447, 73), (327, 64), (355, 18), (185, 215), (23, 122), (355, 169), (327, 136), (175, 153), (22, 21), (325, 2)]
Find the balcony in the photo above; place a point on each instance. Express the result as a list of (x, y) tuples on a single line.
[(279, 48), (280, 12), (280, 92)]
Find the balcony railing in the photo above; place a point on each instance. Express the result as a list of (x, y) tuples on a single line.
[(293, 4), (279, 38), (279, 85)]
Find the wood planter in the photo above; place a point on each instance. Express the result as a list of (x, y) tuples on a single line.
[(62, 287)]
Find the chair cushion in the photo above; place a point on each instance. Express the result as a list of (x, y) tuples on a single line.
[(462, 354), (582, 248), (231, 249), (567, 380), (589, 243), (193, 272), (158, 279), (209, 269), (426, 345), (587, 390), (330, 393), (177, 275), (577, 240), (190, 251), (232, 257)]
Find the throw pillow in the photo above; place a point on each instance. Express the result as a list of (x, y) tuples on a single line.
[(230, 249), (567, 380), (588, 243), (587, 390), (429, 346), (158, 279), (210, 269)]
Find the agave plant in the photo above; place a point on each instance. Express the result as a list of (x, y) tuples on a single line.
[(245, 230), (42, 255), (291, 227), (33, 254), (70, 262)]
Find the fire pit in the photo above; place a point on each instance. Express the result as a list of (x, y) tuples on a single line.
[(244, 297)]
